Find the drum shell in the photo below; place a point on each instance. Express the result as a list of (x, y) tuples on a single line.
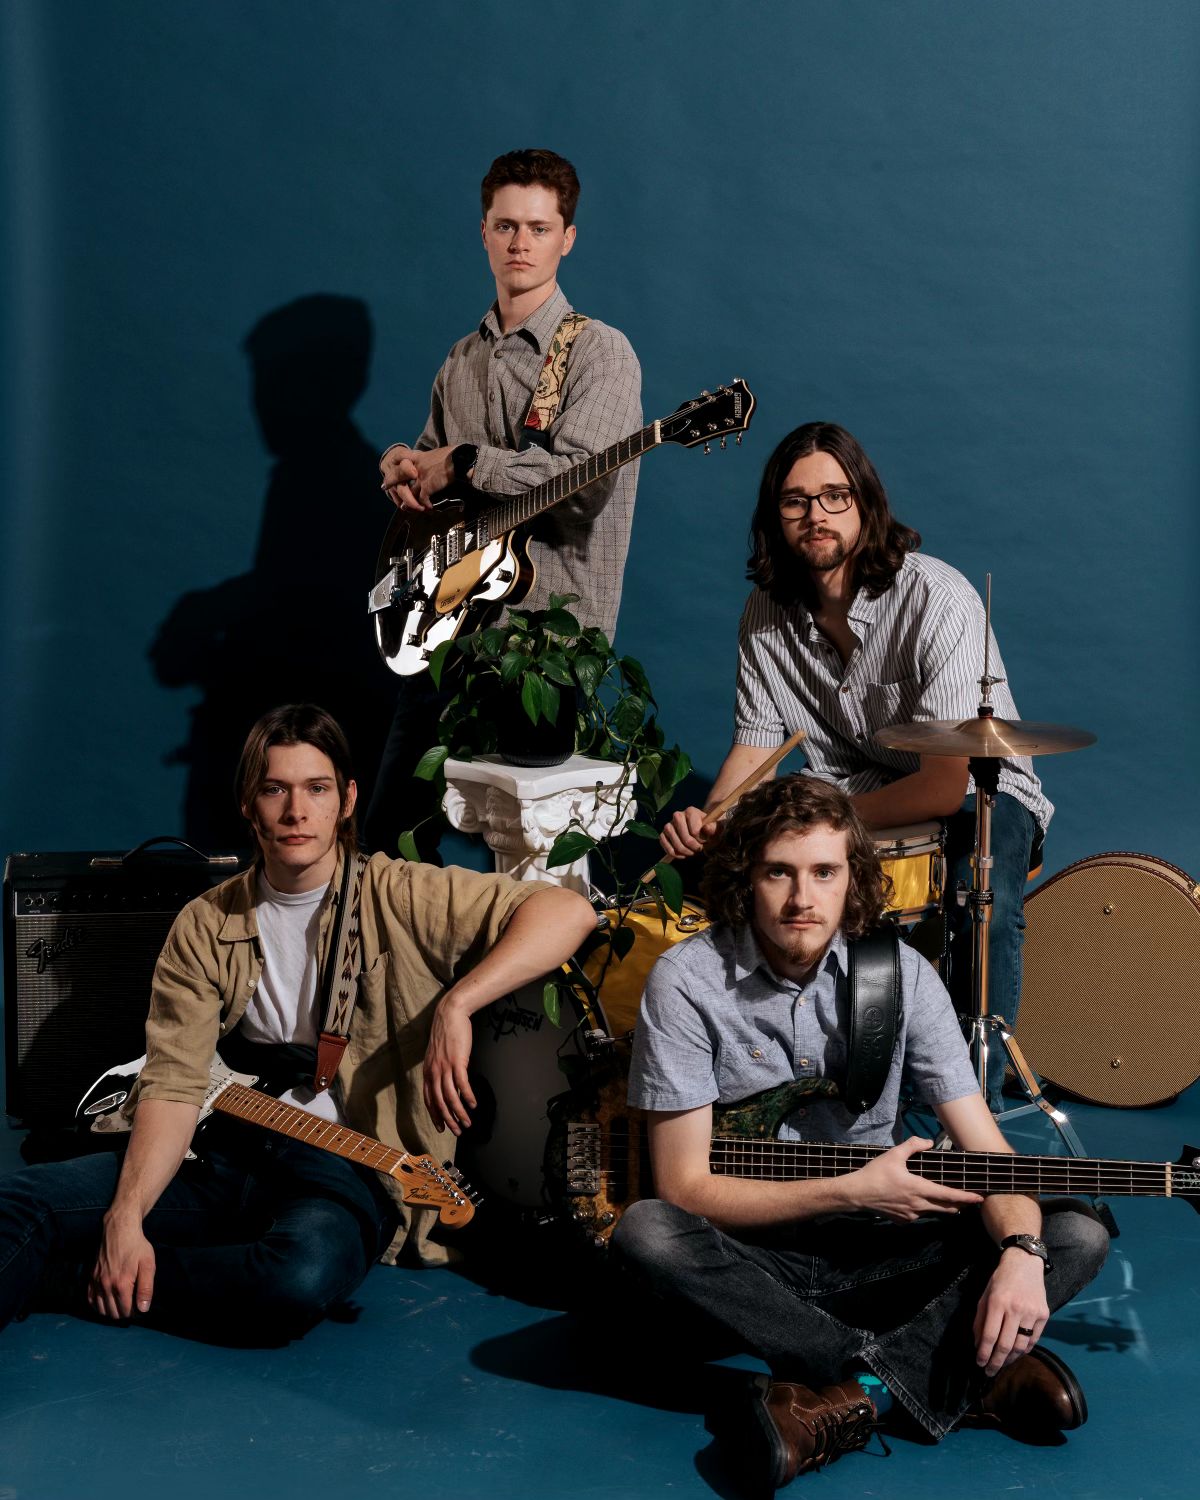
[(914, 859), (1108, 1003), (624, 982)]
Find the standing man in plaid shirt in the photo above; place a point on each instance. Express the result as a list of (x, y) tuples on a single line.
[(480, 429)]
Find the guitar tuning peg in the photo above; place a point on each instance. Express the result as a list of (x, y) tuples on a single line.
[(705, 393), (738, 440), (707, 449), (722, 444)]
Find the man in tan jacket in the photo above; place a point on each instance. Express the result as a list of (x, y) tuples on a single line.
[(256, 1242)]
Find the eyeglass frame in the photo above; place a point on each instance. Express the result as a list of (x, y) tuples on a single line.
[(788, 504)]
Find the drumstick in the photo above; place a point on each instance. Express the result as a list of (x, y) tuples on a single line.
[(739, 791)]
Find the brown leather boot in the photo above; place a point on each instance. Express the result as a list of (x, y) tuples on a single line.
[(1035, 1398), (788, 1429)]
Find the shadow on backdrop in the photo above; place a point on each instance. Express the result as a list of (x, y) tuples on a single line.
[(294, 628)]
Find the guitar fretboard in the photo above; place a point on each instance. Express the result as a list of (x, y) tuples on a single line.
[(506, 514), (286, 1119), (973, 1171)]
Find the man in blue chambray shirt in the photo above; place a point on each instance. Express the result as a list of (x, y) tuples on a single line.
[(876, 1288)]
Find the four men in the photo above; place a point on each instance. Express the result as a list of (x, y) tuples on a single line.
[(865, 1292)]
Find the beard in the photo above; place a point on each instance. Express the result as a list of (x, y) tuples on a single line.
[(833, 553), (797, 952)]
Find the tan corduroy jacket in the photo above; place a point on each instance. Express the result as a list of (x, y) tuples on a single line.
[(422, 929)]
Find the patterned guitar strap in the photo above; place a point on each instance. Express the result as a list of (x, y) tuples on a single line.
[(341, 968), (547, 394)]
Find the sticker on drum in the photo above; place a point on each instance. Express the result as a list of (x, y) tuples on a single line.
[(914, 857)]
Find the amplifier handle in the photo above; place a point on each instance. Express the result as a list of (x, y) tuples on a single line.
[(112, 861)]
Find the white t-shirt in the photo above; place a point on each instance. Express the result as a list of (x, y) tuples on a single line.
[(284, 1006)]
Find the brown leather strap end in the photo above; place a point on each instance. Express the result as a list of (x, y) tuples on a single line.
[(329, 1057)]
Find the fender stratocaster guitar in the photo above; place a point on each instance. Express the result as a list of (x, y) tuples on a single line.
[(422, 1182), (598, 1162), (453, 567)]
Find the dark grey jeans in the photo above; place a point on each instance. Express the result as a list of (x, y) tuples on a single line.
[(816, 1301)]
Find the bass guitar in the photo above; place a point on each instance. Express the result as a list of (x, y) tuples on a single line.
[(422, 1182), (598, 1161), (454, 567)]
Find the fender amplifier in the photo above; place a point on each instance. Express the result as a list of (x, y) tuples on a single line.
[(82, 933)]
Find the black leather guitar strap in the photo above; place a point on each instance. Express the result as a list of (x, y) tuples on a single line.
[(875, 1014)]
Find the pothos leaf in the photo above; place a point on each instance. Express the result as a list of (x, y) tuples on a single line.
[(431, 762), (552, 1003), (671, 885), (407, 845), (568, 847)]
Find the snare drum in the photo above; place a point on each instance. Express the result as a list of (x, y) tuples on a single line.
[(915, 859)]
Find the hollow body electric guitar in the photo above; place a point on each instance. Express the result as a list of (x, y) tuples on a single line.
[(598, 1162), (455, 566), (423, 1183)]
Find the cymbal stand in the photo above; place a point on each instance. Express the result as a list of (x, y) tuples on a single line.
[(981, 1024)]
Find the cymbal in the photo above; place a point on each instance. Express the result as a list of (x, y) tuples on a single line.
[(984, 737)]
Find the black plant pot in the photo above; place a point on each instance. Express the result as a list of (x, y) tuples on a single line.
[(522, 743)]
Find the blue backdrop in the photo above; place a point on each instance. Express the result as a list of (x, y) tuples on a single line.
[(965, 231)]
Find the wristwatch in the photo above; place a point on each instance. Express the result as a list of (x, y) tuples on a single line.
[(1031, 1246), (462, 460)]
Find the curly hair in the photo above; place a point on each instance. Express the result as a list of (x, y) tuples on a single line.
[(533, 168), (793, 804), (884, 542), (296, 724)]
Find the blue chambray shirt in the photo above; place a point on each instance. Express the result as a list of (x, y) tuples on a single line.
[(717, 1025)]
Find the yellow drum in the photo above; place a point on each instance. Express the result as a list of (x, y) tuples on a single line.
[(621, 993), (915, 859)]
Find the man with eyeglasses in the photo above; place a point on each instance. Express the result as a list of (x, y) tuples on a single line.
[(850, 629)]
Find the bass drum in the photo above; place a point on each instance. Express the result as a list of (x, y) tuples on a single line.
[(1108, 998), (521, 1060)]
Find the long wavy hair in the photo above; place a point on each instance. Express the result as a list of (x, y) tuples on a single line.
[(793, 804), (296, 724), (884, 541)]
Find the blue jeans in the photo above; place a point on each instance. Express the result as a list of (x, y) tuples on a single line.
[(1013, 830), (252, 1244), (818, 1302)]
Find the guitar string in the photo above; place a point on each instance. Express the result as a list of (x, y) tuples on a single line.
[(502, 518), (971, 1170)]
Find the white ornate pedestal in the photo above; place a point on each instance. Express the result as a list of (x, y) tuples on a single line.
[(521, 810)]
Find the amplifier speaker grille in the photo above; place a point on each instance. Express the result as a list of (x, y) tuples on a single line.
[(82, 934), (1108, 1002)]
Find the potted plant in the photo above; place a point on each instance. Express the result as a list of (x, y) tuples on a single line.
[(542, 668)]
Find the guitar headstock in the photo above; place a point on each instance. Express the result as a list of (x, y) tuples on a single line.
[(426, 1185), (711, 417), (1185, 1177)]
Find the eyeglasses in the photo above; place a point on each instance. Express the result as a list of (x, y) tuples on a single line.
[(796, 506)]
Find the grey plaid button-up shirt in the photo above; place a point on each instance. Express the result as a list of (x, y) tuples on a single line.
[(920, 657), (481, 396), (717, 1024)]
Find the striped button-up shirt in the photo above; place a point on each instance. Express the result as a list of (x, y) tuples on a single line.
[(481, 396), (919, 657)]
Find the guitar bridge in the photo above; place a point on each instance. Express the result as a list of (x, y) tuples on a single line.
[(583, 1159)]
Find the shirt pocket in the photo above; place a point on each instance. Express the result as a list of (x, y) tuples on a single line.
[(891, 702), (747, 1068)]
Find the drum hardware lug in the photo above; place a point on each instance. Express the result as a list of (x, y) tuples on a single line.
[(960, 894), (596, 1043)]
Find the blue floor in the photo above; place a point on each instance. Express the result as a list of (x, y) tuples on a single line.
[(439, 1387)]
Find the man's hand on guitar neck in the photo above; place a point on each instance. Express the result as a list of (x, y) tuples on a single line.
[(413, 476)]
